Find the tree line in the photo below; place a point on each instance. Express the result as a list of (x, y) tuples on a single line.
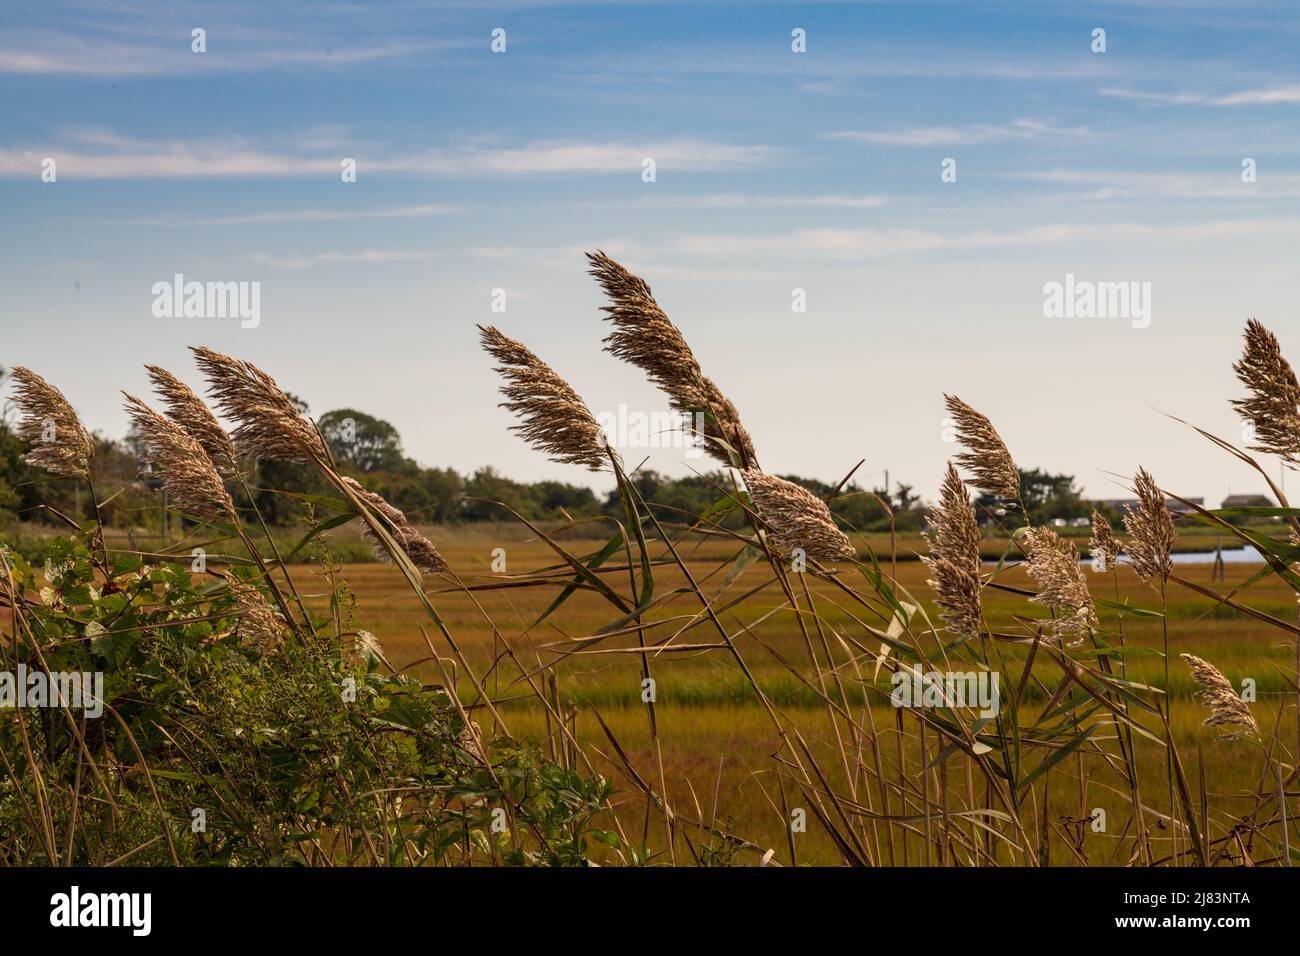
[(370, 449)]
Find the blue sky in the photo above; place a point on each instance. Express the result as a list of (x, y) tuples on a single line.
[(774, 171)]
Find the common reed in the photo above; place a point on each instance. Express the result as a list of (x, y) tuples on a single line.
[(259, 627), (1151, 532), (417, 547), (1227, 709), (877, 794), (1103, 546), (182, 464), (554, 419), (1273, 406), (269, 423), (986, 455), (368, 646), (59, 443), (192, 414), (1054, 567), (644, 336), (798, 518), (954, 559)]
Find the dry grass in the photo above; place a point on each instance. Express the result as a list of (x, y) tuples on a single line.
[(554, 419), (644, 336), (59, 443), (798, 519), (180, 461), (671, 622)]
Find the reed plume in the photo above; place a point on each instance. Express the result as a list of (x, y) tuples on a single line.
[(178, 459), (797, 517), (1054, 567), (192, 414), (417, 547), (269, 423), (554, 419), (1216, 692), (259, 627), (954, 558), (369, 648), (1151, 532), (1273, 407), (1103, 546), (644, 336), (59, 443), (986, 455)]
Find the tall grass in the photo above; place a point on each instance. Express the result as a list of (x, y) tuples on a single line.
[(240, 726)]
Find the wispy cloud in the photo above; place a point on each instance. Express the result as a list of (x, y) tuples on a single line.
[(1170, 184), (50, 52), (1257, 97), (334, 257), (1021, 129), (859, 244), (749, 201), (423, 211), (216, 159)]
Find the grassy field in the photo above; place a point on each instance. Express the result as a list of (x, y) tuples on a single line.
[(718, 745)]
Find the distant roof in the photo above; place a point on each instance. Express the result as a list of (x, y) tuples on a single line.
[(1121, 503), (1247, 501)]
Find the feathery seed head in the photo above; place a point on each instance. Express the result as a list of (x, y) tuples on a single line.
[(1054, 566), (1273, 407), (1151, 532), (954, 558), (796, 517), (180, 461), (986, 455), (190, 412), (269, 424), (259, 626), (644, 336), (59, 443), (417, 547), (1103, 545), (553, 418), (1227, 709)]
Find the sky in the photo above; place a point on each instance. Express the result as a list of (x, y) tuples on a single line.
[(774, 171)]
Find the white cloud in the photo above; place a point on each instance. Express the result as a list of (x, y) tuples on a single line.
[(49, 53), (743, 201), (1171, 184), (130, 159), (1275, 94), (859, 244), (334, 257), (972, 133), (423, 211)]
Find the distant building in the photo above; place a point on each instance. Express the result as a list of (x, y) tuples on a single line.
[(1122, 504), (1247, 501)]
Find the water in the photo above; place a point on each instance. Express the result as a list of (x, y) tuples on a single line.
[(1230, 556)]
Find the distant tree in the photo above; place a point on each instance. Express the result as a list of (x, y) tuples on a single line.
[(1046, 496), (904, 498), (276, 483), (361, 442)]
